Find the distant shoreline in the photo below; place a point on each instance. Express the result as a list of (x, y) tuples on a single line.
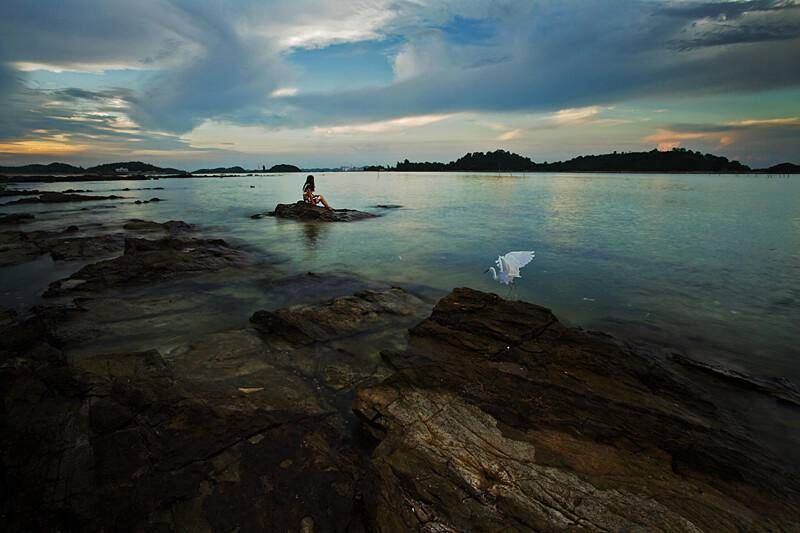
[(7, 179)]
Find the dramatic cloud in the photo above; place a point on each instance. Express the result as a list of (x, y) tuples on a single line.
[(748, 139), (378, 67)]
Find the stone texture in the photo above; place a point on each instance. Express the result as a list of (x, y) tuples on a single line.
[(60, 197), (498, 417), (152, 261), (307, 212)]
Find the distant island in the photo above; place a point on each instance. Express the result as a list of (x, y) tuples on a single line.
[(284, 168), (242, 170), (675, 160), (679, 160), (120, 168), (221, 170)]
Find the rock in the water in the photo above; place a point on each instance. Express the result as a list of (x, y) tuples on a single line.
[(498, 416), (20, 246), (338, 340), (58, 197), (154, 261), (305, 211), (170, 226), (151, 200), (17, 192), (86, 247), (387, 206)]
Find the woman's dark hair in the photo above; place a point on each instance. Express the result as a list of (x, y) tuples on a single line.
[(309, 183)]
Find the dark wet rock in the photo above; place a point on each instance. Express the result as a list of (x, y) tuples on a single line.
[(124, 439), (497, 415), (779, 388), (75, 248), (19, 246), (151, 200), (491, 416), (339, 341), (16, 218), (126, 189), (307, 212), (170, 226), (74, 191), (365, 311), (152, 261), (17, 192), (387, 206), (58, 197), (216, 435)]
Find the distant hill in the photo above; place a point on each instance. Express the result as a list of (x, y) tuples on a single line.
[(131, 167), (675, 160), (782, 168), (221, 170), (284, 168), (51, 168)]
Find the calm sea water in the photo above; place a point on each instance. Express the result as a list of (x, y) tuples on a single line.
[(708, 264)]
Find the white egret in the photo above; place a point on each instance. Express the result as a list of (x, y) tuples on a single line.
[(508, 266)]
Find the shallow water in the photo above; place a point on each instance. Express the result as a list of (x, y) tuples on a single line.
[(708, 264)]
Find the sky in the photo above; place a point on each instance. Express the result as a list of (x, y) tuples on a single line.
[(325, 83)]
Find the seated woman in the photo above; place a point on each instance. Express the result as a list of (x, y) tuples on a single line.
[(308, 194)]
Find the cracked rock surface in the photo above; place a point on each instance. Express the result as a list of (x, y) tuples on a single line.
[(498, 417)]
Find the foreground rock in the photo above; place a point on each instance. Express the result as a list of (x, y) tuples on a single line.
[(59, 197), (498, 417), (130, 439), (237, 430), (152, 261), (305, 211), (491, 416)]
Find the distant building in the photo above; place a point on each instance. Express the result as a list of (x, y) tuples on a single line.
[(121, 170)]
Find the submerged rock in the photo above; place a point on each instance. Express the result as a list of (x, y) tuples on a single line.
[(304, 211), (153, 261), (59, 197), (151, 200), (71, 249), (497, 414), (18, 192), (170, 226), (20, 246)]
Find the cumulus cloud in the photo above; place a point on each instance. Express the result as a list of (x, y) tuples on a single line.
[(209, 61)]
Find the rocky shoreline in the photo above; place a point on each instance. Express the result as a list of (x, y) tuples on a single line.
[(138, 397)]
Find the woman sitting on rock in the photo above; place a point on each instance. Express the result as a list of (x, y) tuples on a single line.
[(308, 194)]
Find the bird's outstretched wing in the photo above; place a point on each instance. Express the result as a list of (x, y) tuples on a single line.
[(513, 261)]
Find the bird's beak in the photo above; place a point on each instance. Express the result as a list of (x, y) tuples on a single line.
[(485, 271)]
